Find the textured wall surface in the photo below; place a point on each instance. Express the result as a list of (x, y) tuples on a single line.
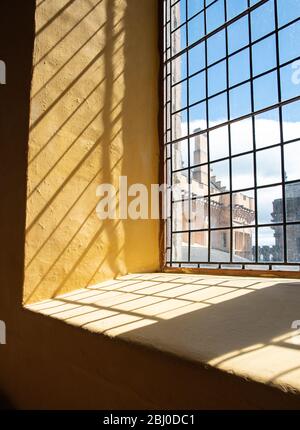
[(93, 118)]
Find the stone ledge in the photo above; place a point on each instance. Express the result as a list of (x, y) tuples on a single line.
[(238, 325)]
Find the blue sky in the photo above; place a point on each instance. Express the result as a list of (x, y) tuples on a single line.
[(263, 54)]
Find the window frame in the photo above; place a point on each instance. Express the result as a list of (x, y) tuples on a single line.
[(222, 270)]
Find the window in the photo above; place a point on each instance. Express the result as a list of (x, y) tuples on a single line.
[(232, 133)]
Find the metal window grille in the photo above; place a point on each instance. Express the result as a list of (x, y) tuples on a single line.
[(232, 133)]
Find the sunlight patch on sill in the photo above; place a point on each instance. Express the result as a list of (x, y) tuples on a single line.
[(239, 325)]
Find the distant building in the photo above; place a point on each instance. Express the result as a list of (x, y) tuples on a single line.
[(243, 211), (292, 203)]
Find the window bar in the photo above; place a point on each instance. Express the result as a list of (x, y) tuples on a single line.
[(207, 141), (254, 137), (188, 134), (171, 144), (229, 136), (281, 135)]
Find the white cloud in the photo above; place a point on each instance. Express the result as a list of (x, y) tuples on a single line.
[(267, 133)]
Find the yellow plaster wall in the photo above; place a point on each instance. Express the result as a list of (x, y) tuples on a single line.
[(93, 118)]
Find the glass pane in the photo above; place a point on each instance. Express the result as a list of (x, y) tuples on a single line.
[(216, 47), (218, 143), (239, 67), (167, 97), (168, 137), (243, 208), (291, 121), (292, 202), (215, 16), (242, 172), (198, 149), (180, 212), (179, 40), (194, 6), (269, 205), (180, 243), (180, 182), (267, 128), (288, 10), (197, 88), (168, 171), (238, 35), (168, 232), (265, 91), (264, 55), (197, 58), (241, 136), (168, 255), (196, 29), (292, 161), (217, 78), (289, 47), (270, 244), (199, 213), (179, 68), (178, 14), (244, 245), (199, 181), (199, 246), (179, 96), (293, 243), (290, 81), (219, 177), (180, 155), (234, 8), (240, 101), (217, 110), (263, 20), (179, 125), (220, 246), (220, 211), (268, 166), (198, 117)]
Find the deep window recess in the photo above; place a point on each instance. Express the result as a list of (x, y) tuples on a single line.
[(232, 133)]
